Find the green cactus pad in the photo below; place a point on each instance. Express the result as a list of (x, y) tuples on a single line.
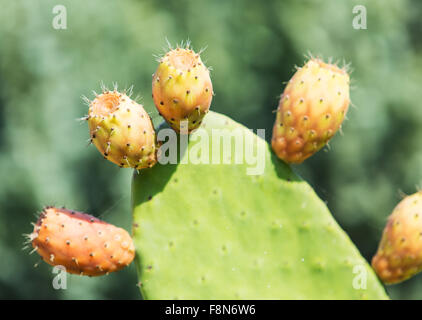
[(210, 231)]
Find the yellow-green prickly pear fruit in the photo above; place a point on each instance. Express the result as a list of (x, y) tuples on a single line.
[(122, 130), (182, 89), (399, 255), (311, 110)]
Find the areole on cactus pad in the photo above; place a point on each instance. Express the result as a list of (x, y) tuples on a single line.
[(210, 231)]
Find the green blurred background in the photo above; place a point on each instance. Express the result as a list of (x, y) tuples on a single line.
[(253, 47)]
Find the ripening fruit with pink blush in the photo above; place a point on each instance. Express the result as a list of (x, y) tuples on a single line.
[(310, 111), (83, 244), (399, 254)]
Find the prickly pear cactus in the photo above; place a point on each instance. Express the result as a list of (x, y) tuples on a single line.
[(210, 231)]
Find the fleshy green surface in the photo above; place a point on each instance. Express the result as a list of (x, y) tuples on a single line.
[(213, 232)]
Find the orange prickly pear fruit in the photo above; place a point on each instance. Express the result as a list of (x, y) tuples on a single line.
[(399, 254), (182, 89), (311, 110), (81, 243), (122, 130)]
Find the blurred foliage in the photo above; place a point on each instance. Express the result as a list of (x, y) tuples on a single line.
[(253, 47)]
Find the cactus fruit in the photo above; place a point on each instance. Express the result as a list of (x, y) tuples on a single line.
[(81, 243), (399, 255), (122, 130), (311, 110), (263, 236), (182, 89)]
